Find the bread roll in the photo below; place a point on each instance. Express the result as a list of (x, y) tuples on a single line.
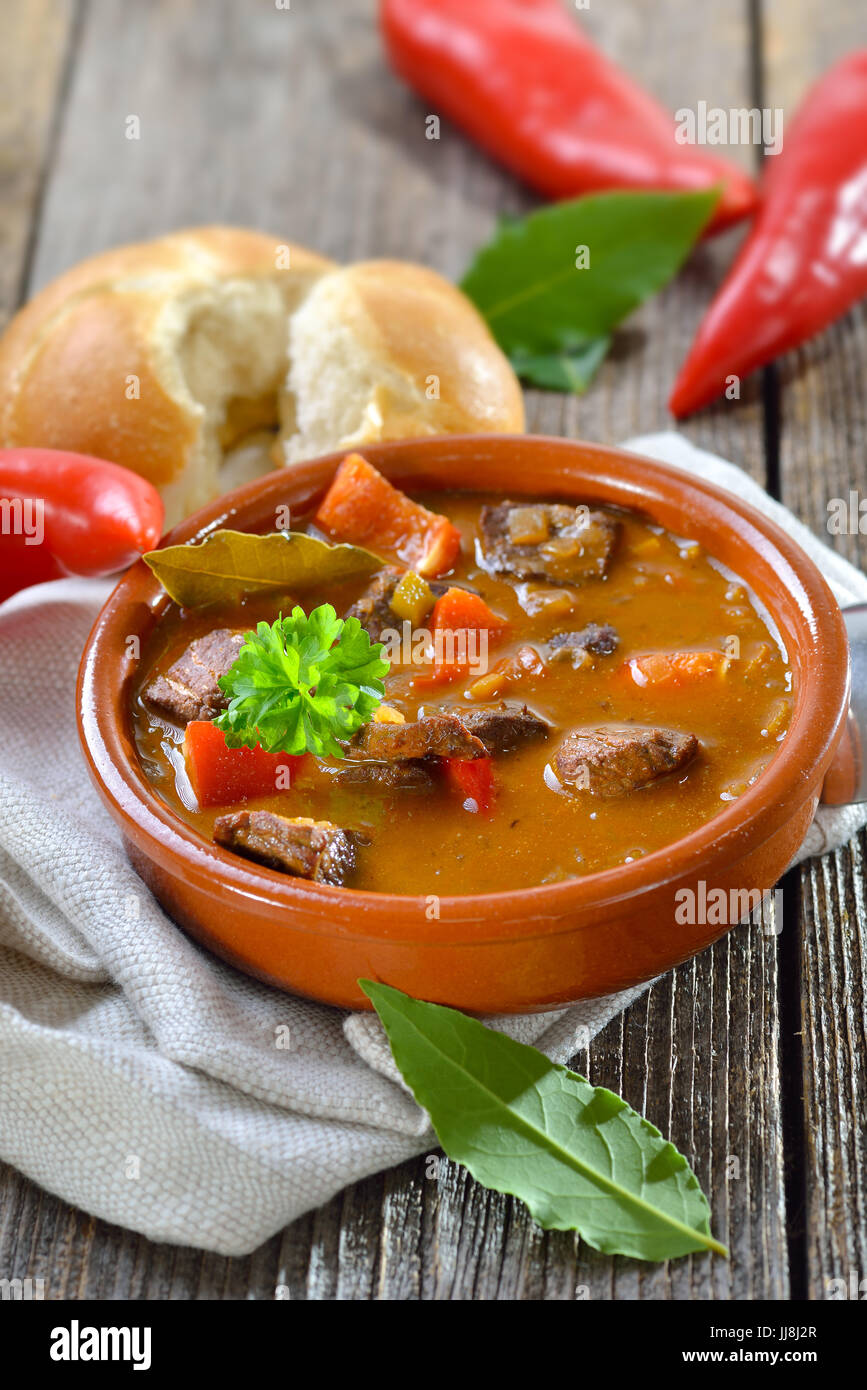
[(207, 356), (390, 350), (157, 355)]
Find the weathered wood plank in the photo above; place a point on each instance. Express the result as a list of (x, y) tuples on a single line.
[(823, 432), (834, 971), (690, 1048), (37, 35)]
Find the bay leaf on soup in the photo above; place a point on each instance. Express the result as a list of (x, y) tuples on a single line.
[(229, 564)]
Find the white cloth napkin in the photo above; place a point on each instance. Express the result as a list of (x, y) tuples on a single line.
[(142, 1079)]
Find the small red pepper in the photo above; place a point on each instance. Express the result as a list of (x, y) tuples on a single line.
[(64, 513), (805, 260), (521, 79)]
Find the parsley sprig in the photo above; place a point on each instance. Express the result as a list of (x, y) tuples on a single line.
[(302, 683)]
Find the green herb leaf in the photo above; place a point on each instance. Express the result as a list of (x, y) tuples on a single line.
[(570, 369), (301, 683), (228, 564), (541, 306), (577, 1155)]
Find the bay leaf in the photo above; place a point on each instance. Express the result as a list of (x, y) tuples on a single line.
[(228, 564), (571, 368), (575, 1154), (572, 271)]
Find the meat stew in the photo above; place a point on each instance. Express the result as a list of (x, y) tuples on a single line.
[(628, 687)]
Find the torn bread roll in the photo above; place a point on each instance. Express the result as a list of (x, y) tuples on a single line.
[(209, 356), (390, 350), (158, 356)]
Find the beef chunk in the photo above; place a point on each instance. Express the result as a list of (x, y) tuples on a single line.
[(373, 610), (505, 726), (569, 646), (547, 541), (313, 849), (189, 689), (411, 775), (610, 762), (443, 734)]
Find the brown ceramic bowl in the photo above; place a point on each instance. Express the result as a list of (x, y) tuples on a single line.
[(498, 952)]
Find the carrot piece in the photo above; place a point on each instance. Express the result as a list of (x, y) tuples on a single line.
[(675, 669), (455, 616), (473, 780), (361, 506), (221, 776)]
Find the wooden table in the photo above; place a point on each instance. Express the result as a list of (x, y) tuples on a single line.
[(750, 1057)]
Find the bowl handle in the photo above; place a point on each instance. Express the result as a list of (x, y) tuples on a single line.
[(846, 778)]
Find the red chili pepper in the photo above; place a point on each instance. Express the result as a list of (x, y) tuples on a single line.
[(66, 513), (805, 260), (524, 82)]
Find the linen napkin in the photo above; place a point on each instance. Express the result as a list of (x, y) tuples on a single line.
[(141, 1078)]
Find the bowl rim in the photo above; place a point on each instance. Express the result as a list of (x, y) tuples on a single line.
[(755, 816)]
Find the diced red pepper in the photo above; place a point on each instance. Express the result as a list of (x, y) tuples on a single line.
[(222, 776), (361, 506), (473, 780), (453, 617), (672, 670)]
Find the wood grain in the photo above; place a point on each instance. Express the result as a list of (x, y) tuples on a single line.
[(37, 36), (823, 430), (306, 132)]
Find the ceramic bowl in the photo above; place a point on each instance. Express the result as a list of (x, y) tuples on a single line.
[(496, 952)]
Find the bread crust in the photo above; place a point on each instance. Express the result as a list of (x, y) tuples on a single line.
[(112, 358), (424, 326), (70, 358), (433, 364)]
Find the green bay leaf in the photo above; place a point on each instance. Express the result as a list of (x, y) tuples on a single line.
[(570, 369), (536, 300), (228, 564), (576, 1155)]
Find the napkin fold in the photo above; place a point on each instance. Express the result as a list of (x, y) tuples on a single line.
[(140, 1077)]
